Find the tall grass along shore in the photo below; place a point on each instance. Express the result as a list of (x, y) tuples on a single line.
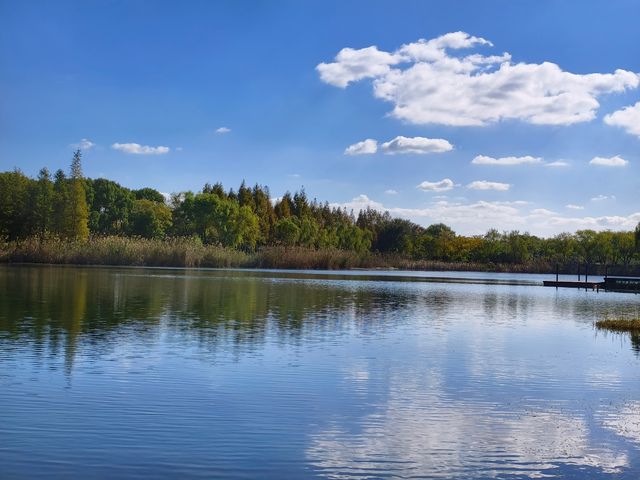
[(191, 252)]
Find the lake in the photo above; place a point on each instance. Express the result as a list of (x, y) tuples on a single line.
[(168, 373)]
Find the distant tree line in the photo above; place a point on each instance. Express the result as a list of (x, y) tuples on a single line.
[(71, 206)]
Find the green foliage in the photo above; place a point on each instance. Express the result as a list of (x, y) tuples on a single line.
[(110, 207), (149, 194), (76, 211), (41, 200), (284, 206), (287, 232), (149, 219), (60, 199), (73, 207), (14, 188)]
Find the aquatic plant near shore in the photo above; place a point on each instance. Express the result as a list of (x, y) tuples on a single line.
[(115, 250), (620, 324)]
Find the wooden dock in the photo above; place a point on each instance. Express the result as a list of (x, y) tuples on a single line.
[(622, 284), (574, 284), (610, 284)]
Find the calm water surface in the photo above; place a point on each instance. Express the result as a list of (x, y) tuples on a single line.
[(140, 373)]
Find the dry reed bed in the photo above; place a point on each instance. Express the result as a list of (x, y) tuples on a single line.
[(190, 252)]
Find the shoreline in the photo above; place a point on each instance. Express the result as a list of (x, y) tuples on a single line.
[(189, 253)]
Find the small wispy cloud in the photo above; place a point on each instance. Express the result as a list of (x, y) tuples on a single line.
[(365, 147), (417, 145), (616, 161), (391, 192), (506, 161), (485, 185), (542, 212), (84, 144), (222, 130), (557, 164), (137, 149), (571, 206), (602, 198), (441, 186)]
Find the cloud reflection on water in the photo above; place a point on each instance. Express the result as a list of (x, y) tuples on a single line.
[(422, 431)]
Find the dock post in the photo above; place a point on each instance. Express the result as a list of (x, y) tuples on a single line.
[(557, 274), (586, 275), (578, 271)]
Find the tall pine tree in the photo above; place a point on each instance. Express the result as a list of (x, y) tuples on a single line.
[(77, 211)]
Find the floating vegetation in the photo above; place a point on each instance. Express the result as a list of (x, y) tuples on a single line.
[(629, 326), (620, 324)]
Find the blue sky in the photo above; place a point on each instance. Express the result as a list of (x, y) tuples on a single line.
[(169, 74)]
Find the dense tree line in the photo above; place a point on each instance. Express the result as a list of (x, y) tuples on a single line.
[(74, 207)]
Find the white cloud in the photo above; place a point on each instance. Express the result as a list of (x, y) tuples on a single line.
[(84, 144), (441, 186), (628, 118), (478, 217), (352, 65), (571, 206), (602, 198), (223, 130), (542, 212), (505, 161), (420, 145), (485, 185), (364, 147), (137, 149), (557, 164), (428, 82), (391, 192), (361, 202), (616, 161)]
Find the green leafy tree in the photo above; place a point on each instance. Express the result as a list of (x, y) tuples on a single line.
[(149, 194), (397, 236), (223, 221), (60, 199), (286, 232), (111, 206), (184, 217), (42, 203), (439, 237), (14, 196), (150, 219), (623, 245), (247, 228)]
